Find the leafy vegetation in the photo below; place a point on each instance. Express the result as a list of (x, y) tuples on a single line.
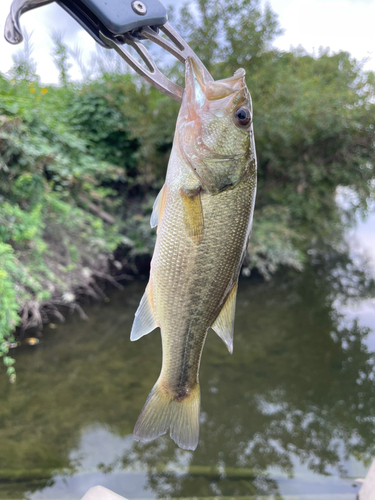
[(81, 163), (313, 116), (50, 243)]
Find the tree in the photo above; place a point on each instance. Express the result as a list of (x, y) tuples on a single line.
[(313, 121), (24, 66), (60, 54), (228, 33)]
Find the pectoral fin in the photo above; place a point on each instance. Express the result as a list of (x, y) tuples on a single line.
[(224, 323), (158, 208), (144, 321), (193, 213)]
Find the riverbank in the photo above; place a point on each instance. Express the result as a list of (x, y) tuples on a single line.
[(81, 164), (69, 219)]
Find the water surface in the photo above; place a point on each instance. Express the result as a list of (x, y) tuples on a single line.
[(290, 415)]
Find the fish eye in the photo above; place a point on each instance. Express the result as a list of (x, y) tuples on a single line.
[(242, 116)]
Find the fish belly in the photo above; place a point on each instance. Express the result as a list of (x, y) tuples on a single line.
[(190, 281)]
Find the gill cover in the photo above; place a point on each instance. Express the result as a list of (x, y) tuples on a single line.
[(217, 150)]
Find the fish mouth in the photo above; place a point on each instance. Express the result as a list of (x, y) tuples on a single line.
[(201, 94), (198, 90), (205, 101)]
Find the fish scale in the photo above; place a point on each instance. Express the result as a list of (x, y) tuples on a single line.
[(204, 215)]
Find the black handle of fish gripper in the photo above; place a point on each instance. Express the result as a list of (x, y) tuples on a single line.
[(115, 23), (114, 17)]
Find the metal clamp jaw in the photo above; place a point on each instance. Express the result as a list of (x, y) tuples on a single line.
[(117, 22)]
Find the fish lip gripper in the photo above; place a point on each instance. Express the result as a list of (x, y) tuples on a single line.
[(117, 23)]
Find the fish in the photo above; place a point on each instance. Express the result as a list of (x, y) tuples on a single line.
[(203, 216)]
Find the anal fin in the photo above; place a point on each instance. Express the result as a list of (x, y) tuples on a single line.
[(193, 213), (158, 207), (144, 321), (224, 323)]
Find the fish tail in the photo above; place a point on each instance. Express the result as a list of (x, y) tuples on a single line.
[(165, 410)]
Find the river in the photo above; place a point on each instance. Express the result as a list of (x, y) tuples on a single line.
[(290, 415)]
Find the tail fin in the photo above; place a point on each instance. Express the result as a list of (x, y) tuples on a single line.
[(163, 411)]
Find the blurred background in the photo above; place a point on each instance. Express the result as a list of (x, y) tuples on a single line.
[(84, 146)]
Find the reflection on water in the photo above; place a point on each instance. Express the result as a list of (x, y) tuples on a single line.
[(292, 412)]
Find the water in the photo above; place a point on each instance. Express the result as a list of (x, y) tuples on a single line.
[(291, 415)]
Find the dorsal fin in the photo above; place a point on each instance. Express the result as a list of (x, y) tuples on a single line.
[(193, 213), (224, 323), (158, 207), (144, 321)]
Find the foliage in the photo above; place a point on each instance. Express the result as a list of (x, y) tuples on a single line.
[(24, 66), (76, 158), (48, 178), (60, 56), (9, 318), (102, 118), (228, 34), (315, 132), (272, 243), (313, 116)]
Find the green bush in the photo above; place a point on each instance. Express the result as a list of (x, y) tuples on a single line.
[(80, 164), (49, 184), (9, 307)]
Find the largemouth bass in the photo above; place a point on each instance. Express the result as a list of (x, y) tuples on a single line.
[(204, 216)]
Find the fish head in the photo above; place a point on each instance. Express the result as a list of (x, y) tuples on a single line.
[(215, 128)]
